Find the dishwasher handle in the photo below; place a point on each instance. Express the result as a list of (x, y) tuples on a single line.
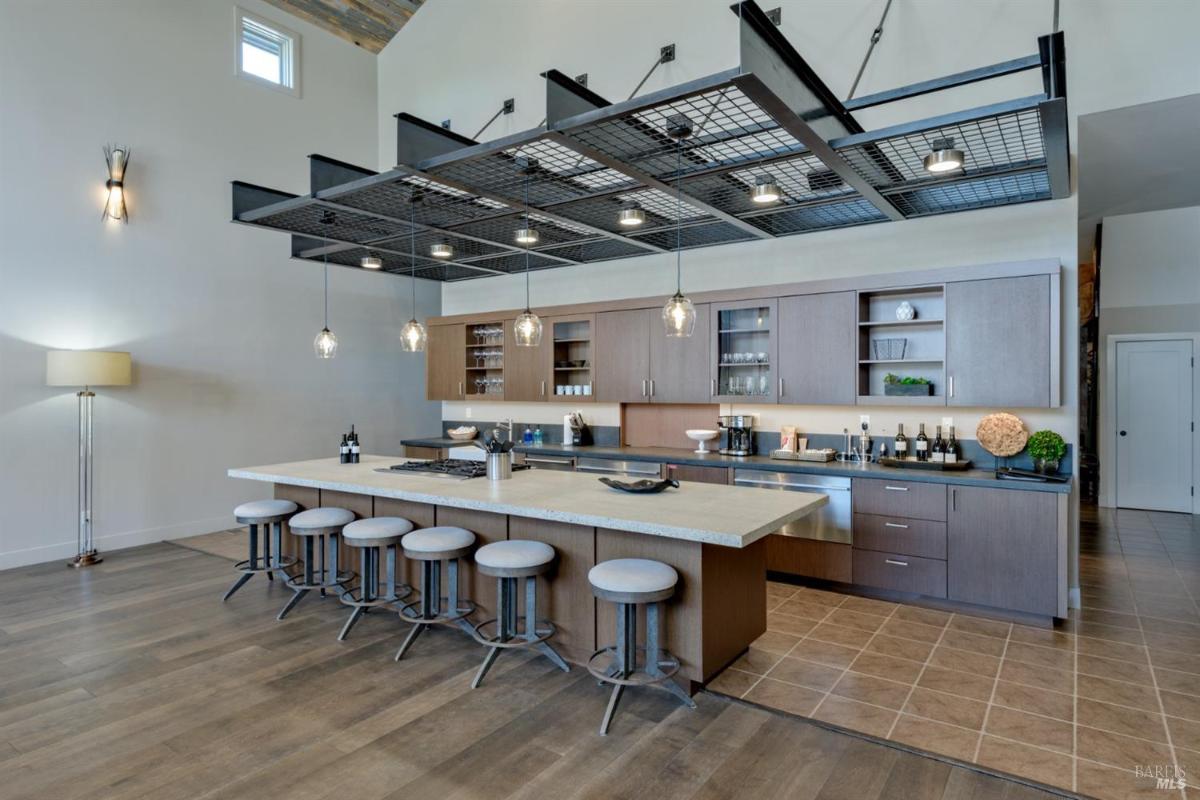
[(609, 471), (817, 487)]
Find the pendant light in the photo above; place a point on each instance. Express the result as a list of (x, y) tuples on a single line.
[(440, 250), (413, 335), (944, 158), (527, 329), (679, 315), (371, 262), (631, 216), (326, 344), (766, 190)]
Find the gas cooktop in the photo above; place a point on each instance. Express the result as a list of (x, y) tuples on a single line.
[(450, 467)]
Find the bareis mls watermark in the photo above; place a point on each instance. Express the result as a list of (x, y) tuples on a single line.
[(1166, 776)]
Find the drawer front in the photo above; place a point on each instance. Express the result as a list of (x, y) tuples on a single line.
[(912, 537), (890, 498), (900, 573)]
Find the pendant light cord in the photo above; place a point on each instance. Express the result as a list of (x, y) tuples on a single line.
[(679, 218), (527, 227), (325, 255), (412, 249)]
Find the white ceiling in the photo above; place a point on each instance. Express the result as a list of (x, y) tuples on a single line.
[(1139, 158)]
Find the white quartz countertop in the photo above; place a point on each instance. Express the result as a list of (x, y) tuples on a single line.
[(731, 516)]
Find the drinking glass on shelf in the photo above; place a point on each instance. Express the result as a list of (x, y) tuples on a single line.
[(762, 385), (762, 358)]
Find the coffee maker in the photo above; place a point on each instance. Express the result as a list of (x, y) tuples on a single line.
[(739, 434)]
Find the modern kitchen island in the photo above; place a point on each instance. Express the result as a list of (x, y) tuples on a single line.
[(714, 537)]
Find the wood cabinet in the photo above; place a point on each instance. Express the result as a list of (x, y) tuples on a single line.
[(1002, 548), (526, 369), (900, 573), (745, 347), (622, 357), (446, 362), (697, 474), (679, 367), (827, 561), (817, 336), (998, 342)]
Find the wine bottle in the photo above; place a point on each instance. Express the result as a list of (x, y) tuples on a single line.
[(952, 449), (900, 444), (938, 453), (355, 447), (344, 450), (922, 444)]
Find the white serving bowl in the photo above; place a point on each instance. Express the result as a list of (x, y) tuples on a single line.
[(702, 436), (462, 434)]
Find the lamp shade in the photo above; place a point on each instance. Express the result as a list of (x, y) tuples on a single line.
[(87, 368)]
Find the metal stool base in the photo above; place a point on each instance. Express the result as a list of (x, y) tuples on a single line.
[(262, 563), (325, 577), (428, 610)]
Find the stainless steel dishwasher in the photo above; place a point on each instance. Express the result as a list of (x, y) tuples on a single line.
[(830, 523), (613, 466), (557, 463)]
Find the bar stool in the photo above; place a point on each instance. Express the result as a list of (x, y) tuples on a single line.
[(369, 536), (432, 546), (508, 562), (267, 513), (318, 526), (631, 582)]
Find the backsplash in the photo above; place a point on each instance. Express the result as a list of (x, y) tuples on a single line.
[(603, 435)]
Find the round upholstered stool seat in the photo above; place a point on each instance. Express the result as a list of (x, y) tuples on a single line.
[(510, 562), (319, 528), (260, 511), (317, 521), (266, 513), (438, 544), (515, 558), (370, 537), (430, 547), (629, 583), (633, 580)]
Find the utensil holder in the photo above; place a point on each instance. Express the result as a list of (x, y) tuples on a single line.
[(499, 466)]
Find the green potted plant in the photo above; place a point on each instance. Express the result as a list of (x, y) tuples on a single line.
[(908, 386), (1046, 448)]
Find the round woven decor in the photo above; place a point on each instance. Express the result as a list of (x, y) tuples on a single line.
[(1002, 434)]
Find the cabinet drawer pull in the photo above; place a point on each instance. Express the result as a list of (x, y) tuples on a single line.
[(895, 563), (652, 387), (896, 488), (894, 525)]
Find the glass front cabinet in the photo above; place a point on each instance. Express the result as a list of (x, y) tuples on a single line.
[(745, 349)]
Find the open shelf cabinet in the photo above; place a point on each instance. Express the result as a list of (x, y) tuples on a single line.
[(888, 344)]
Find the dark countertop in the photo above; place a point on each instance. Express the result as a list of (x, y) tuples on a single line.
[(971, 477)]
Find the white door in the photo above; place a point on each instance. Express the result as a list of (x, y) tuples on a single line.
[(1154, 424)]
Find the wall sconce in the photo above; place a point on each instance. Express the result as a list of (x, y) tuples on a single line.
[(117, 159)]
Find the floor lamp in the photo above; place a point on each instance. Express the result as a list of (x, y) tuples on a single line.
[(86, 368)]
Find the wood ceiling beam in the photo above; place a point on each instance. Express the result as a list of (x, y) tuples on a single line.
[(370, 24)]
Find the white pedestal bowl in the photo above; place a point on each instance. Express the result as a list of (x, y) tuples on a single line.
[(701, 437)]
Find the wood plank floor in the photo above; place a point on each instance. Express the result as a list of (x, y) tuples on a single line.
[(133, 680)]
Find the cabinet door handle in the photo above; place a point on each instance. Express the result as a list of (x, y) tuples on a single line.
[(896, 488), (714, 387), (894, 525), (460, 389), (950, 385), (954, 499), (543, 388), (895, 563), (781, 387), (652, 387), (643, 387)]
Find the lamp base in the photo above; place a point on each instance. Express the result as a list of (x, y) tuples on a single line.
[(86, 559)]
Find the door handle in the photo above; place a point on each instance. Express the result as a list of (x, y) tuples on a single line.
[(950, 385), (781, 387), (644, 387), (895, 563), (460, 388), (954, 499), (894, 525), (652, 387), (896, 488), (543, 388), (714, 388), (1122, 433)]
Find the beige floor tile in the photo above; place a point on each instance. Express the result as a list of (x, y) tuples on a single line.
[(903, 629), (839, 634), (775, 642), (853, 619), (988, 645), (1173, 681), (1053, 734), (1177, 661), (925, 616), (806, 673), (1120, 719), (1185, 733), (910, 649), (1179, 644), (1189, 763), (1055, 680), (869, 689), (976, 687), (936, 737), (831, 599), (896, 669), (980, 626), (799, 606), (948, 708), (1170, 626), (1115, 670), (1042, 637), (1185, 706), (756, 661), (733, 682), (1109, 633), (1119, 751), (857, 716), (867, 605), (1026, 761), (833, 655), (785, 623), (1040, 656), (1118, 692), (781, 591), (1109, 618), (1117, 650), (1106, 783), (1035, 701), (784, 696), (961, 660)]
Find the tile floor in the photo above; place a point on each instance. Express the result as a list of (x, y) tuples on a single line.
[(1081, 707)]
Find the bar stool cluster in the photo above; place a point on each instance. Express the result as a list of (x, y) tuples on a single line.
[(627, 582)]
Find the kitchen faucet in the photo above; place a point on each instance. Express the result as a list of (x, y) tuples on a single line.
[(506, 426)]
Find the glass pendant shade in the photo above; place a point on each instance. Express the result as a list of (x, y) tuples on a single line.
[(527, 236), (527, 329), (372, 262), (326, 344), (441, 250), (679, 316), (413, 337)]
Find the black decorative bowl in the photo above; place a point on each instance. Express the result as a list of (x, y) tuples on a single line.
[(640, 487)]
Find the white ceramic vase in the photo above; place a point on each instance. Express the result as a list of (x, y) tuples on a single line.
[(905, 311)]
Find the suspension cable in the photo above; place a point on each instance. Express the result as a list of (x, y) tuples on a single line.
[(876, 35)]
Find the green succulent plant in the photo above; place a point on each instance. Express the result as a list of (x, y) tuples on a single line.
[(1046, 446), (908, 380)]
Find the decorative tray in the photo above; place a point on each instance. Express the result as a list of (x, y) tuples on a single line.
[(827, 454), (1014, 474), (644, 486), (908, 463)]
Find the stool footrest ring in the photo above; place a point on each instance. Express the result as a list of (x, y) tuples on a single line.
[(410, 613), (349, 597), (544, 630), (284, 563), (323, 579), (667, 665)]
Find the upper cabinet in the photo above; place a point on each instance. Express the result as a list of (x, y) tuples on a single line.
[(570, 362), (902, 346), (524, 372), (745, 346), (816, 348), (622, 357), (679, 366), (1000, 347), (445, 362)]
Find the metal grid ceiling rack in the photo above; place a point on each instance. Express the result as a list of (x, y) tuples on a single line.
[(593, 158)]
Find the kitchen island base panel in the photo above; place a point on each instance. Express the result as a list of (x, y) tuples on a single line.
[(719, 607)]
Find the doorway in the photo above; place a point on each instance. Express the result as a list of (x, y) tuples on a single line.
[(1153, 426)]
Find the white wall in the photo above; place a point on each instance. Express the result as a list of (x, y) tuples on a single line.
[(1149, 283), (219, 320)]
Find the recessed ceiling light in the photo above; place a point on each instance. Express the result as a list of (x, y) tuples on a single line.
[(631, 216), (944, 158), (765, 190), (441, 250), (527, 236), (372, 262)]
